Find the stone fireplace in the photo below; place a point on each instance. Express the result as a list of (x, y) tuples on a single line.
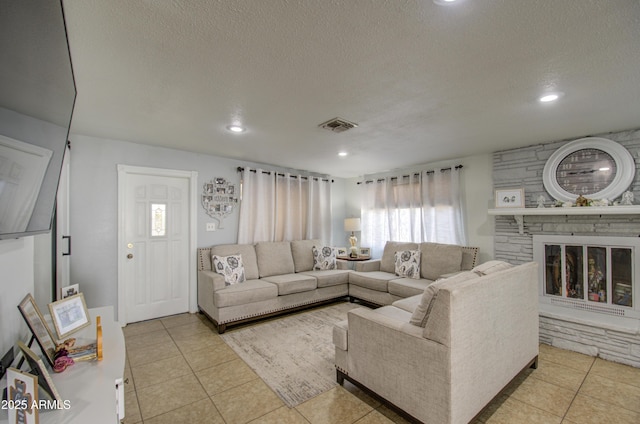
[(589, 261)]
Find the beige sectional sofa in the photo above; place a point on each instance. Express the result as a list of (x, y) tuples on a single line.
[(443, 355), (376, 282), (279, 277)]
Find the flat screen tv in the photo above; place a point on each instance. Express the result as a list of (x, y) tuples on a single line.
[(37, 95)]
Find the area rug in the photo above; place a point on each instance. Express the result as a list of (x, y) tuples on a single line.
[(293, 354)]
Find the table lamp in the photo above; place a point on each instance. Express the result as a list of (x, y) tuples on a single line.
[(353, 225)]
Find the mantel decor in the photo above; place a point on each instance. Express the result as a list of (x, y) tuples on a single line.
[(219, 199)]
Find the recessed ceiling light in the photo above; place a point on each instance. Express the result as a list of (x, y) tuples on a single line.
[(342, 154), (550, 97), (444, 2), (236, 128)]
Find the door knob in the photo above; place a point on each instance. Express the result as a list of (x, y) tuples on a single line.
[(130, 255)]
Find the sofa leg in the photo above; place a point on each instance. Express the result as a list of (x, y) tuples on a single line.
[(534, 364), (339, 377), (222, 328)]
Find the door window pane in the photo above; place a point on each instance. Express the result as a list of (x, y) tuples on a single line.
[(158, 219)]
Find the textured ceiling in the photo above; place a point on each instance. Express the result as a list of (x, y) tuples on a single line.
[(424, 82)]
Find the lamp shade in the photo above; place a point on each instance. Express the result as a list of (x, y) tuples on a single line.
[(352, 224)]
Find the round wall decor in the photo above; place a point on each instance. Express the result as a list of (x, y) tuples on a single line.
[(593, 167)]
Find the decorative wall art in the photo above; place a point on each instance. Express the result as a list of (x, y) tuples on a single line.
[(219, 198)]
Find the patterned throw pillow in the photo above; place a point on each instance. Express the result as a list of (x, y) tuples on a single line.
[(408, 263), (231, 267), (324, 258)]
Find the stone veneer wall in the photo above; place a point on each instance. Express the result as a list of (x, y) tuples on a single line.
[(523, 168)]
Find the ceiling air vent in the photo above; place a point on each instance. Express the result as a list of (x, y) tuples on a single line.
[(338, 125)]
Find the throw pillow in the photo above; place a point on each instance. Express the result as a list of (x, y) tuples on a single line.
[(324, 258), (408, 263), (231, 267), (490, 267)]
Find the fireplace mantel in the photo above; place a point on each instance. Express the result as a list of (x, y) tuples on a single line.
[(519, 213)]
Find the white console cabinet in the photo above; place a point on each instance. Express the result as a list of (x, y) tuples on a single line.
[(94, 389)]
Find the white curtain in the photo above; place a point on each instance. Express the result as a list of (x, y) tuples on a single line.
[(419, 207), (276, 207)]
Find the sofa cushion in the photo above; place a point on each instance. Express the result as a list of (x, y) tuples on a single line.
[(490, 267), (421, 313), (408, 304), (438, 259), (406, 287), (407, 263), (248, 253), (274, 258), (231, 267), (388, 262), (324, 257), (302, 253), (374, 280), (292, 283), (329, 277), (248, 292)]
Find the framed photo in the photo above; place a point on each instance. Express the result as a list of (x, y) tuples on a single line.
[(365, 251), (39, 328), (510, 198), (68, 291), (22, 390), (69, 315), (38, 369), (341, 251)]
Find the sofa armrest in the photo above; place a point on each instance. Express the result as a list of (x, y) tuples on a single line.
[(368, 266), (212, 279), (393, 359)]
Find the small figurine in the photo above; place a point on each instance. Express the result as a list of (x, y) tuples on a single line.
[(582, 201), (627, 198), (541, 201)]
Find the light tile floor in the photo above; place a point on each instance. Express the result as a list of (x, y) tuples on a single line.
[(179, 370)]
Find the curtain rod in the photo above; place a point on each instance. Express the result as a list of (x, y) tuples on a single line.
[(241, 169), (408, 175)]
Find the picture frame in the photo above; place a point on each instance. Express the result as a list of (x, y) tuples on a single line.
[(365, 252), (40, 371), (38, 327), (341, 251), (69, 315), (22, 392), (68, 291), (510, 198)]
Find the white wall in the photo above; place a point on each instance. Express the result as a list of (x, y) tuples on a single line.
[(94, 205), (17, 270), (477, 195)]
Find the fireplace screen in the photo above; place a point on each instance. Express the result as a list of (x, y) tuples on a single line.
[(591, 273)]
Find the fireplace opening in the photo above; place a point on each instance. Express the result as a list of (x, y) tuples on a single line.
[(593, 274)]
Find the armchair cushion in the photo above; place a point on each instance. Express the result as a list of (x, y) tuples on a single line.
[(303, 254), (274, 258), (438, 259)]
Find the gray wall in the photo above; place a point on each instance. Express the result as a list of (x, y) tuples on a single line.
[(523, 168), (94, 205)]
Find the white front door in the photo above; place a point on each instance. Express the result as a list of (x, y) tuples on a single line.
[(156, 215)]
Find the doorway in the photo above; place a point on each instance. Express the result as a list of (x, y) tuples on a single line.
[(156, 243)]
